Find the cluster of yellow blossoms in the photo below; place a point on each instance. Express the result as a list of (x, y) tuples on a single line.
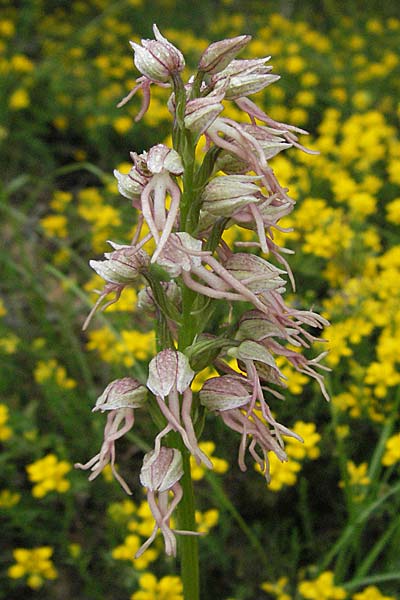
[(286, 473), (35, 564), (48, 475), (321, 588), (5, 430)]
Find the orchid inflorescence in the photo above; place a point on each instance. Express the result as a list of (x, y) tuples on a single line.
[(187, 205)]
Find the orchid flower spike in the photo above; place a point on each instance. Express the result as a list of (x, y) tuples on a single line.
[(121, 268)]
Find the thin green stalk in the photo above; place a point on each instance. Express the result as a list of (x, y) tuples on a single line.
[(376, 549), (346, 538), (224, 501), (376, 461), (188, 544), (382, 578)]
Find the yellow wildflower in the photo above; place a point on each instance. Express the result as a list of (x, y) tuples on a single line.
[(3, 310), (167, 588), (322, 588), (282, 473), (55, 226), (371, 593), (120, 511), (392, 451), (7, 28), (357, 474), (122, 124), (128, 549), (393, 211), (362, 204), (8, 499), (294, 64), (48, 475), (35, 564), (19, 99), (277, 589), (307, 449), (21, 63), (219, 464), (52, 370), (206, 520), (5, 431)]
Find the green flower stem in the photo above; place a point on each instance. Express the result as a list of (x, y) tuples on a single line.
[(354, 527), (382, 578), (188, 544), (371, 557), (224, 501)]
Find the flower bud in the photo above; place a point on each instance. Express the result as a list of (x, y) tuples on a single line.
[(202, 112), (122, 266), (224, 393), (169, 369), (158, 59), (224, 195), (161, 471), (219, 54), (145, 297), (256, 273), (254, 325), (122, 393), (263, 360)]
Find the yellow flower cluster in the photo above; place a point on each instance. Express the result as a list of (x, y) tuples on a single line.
[(8, 499), (52, 370), (219, 464), (392, 451), (166, 588), (277, 589), (48, 475), (35, 564), (358, 480), (103, 218), (371, 593), (125, 349), (322, 588), (285, 473), (5, 430)]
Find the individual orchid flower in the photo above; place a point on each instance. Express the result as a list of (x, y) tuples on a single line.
[(219, 54), (231, 398), (170, 375), (119, 400), (288, 324), (200, 113), (245, 142), (160, 475), (162, 162), (229, 193), (158, 60), (242, 78), (121, 268)]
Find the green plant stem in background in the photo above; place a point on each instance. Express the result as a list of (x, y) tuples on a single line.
[(224, 501), (354, 527), (188, 544)]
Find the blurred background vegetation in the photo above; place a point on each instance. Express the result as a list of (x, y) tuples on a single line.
[(328, 526)]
